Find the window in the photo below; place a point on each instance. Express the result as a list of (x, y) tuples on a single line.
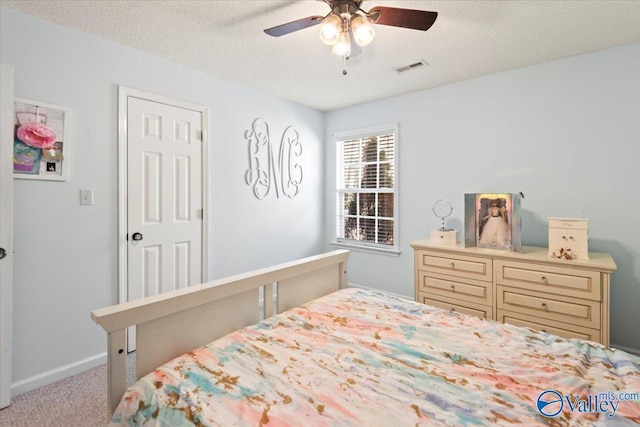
[(366, 186)]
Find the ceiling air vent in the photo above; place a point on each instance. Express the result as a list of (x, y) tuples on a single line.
[(415, 65)]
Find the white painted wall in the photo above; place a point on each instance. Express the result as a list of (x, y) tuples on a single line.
[(66, 254), (566, 133)]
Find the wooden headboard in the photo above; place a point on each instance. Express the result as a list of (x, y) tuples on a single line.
[(173, 323)]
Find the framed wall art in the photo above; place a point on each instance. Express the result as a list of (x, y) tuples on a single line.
[(40, 141), (493, 220)]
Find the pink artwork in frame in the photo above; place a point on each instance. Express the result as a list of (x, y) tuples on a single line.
[(41, 141)]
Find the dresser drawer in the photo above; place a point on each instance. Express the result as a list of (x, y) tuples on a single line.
[(550, 279), (512, 287), (584, 313), (455, 265), (556, 328), (453, 287), (478, 310)]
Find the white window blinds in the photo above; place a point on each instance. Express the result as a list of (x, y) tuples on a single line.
[(366, 189)]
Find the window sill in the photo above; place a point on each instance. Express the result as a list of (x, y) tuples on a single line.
[(367, 249)]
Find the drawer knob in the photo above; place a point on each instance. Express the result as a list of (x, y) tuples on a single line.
[(453, 288), (545, 331), (570, 237), (544, 280), (453, 310), (564, 237), (452, 265), (545, 307)]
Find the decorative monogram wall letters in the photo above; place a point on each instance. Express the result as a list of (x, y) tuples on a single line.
[(263, 172)]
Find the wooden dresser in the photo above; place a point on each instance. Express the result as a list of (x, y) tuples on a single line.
[(569, 298)]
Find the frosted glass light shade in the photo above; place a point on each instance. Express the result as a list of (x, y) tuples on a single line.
[(343, 46), (330, 30), (362, 29)]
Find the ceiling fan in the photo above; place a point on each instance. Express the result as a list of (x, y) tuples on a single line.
[(347, 20)]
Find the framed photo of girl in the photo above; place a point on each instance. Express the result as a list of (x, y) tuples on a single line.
[(493, 220), (40, 140)]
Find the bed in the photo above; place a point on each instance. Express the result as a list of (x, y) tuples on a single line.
[(317, 354)]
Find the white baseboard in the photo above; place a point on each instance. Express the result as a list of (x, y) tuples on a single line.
[(355, 285), (634, 351), (57, 374)]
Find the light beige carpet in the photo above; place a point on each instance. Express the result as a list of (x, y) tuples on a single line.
[(77, 401), (80, 400)]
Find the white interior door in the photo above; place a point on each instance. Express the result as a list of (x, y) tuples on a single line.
[(165, 198), (6, 230)]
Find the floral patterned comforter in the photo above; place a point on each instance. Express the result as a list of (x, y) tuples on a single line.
[(368, 358)]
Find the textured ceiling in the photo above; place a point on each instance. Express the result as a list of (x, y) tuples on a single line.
[(469, 39)]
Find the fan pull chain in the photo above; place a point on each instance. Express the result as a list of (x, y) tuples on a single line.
[(344, 65)]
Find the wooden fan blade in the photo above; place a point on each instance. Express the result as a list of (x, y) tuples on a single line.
[(292, 26), (405, 18)]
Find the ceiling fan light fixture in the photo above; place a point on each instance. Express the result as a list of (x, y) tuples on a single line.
[(330, 30), (343, 46), (347, 20), (363, 32)]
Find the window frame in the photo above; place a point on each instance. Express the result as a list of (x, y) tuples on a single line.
[(339, 189)]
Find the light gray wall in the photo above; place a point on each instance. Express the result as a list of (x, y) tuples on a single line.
[(66, 254), (566, 133)]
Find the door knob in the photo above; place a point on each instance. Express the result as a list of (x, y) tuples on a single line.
[(137, 236), (3, 253)]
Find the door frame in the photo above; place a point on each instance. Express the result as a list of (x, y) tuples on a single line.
[(6, 230), (123, 94)]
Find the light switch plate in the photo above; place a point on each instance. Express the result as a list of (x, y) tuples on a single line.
[(86, 197)]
